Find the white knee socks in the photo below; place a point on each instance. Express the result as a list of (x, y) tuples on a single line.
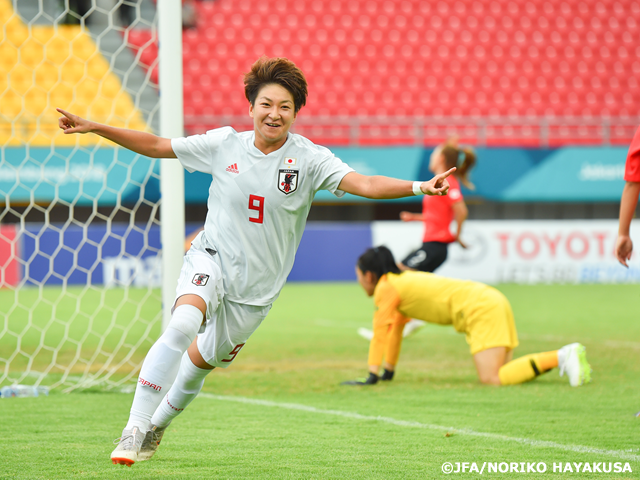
[(188, 384), (161, 365)]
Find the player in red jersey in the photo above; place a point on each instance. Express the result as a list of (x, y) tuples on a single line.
[(624, 245), (437, 216)]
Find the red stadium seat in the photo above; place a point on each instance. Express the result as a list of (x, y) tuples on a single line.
[(416, 58)]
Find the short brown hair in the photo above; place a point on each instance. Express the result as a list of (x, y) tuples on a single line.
[(280, 71)]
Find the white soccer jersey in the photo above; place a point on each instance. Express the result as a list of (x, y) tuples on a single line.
[(258, 204)]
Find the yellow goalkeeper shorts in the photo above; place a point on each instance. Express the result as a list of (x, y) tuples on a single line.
[(490, 323)]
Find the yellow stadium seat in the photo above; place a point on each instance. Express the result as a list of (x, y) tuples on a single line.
[(16, 31), (61, 96), (35, 101), (10, 104), (69, 140), (21, 78), (71, 32), (138, 124), (8, 56), (78, 108), (5, 11), (57, 50), (47, 75), (123, 106), (42, 34), (98, 68), (83, 49), (72, 70), (110, 87), (38, 137), (44, 67), (31, 53), (100, 109)]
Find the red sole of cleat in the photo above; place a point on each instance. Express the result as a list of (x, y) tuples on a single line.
[(122, 461)]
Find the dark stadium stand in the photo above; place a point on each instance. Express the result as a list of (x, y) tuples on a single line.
[(479, 60)]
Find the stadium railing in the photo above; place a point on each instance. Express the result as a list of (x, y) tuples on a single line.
[(532, 132)]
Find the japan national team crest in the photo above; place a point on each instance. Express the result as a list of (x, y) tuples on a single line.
[(200, 279), (288, 181)]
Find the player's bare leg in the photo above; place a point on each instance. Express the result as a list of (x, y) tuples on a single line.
[(488, 363)]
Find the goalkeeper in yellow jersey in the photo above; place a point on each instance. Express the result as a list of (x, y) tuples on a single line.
[(479, 311)]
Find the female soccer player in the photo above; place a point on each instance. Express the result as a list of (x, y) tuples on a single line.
[(263, 184), (437, 215), (479, 311)]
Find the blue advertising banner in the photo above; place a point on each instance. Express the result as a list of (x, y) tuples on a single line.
[(573, 174), (126, 255), (397, 162), (110, 175), (499, 251), (329, 251), (121, 254), (80, 176)]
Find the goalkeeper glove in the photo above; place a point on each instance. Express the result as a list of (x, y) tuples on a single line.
[(371, 380), (387, 375)]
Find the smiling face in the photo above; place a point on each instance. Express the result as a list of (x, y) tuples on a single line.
[(273, 114)]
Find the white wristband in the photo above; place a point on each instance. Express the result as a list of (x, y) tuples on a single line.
[(416, 188)]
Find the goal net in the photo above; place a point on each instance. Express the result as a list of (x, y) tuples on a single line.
[(80, 272)]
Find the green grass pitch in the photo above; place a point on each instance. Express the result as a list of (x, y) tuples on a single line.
[(308, 426)]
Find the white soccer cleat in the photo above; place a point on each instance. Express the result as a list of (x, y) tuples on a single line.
[(572, 360), (365, 333), (126, 453), (412, 326), (151, 442)]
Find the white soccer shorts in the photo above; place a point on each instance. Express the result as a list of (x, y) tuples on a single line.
[(201, 275), (228, 330), (229, 324)]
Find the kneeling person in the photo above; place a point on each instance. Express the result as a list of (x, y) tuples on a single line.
[(479, 311)]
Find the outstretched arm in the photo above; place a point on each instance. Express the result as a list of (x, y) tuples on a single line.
[(624, 245), (394, 343), (144, 143), (386, 341), (410, 217), (380, 187)]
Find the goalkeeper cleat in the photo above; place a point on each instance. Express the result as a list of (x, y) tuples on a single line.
[(151, 442), (412, 326), (572, 360), (365, 333), (387, 375), (372, 379), (126, 453)]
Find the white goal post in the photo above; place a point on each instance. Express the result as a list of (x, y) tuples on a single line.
[(171, 126), (89, 255)]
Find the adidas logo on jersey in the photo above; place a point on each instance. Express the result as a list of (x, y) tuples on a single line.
[(233, 168)]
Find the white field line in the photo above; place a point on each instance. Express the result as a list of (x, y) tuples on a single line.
[(618, 454)]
